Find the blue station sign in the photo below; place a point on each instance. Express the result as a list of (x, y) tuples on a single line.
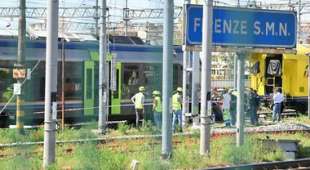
[(243, 27)]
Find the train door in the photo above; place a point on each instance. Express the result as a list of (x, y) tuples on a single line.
[(273, 73)]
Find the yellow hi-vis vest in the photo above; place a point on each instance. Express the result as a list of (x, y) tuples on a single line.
[(139, 100), (158, 107), (176, 104)]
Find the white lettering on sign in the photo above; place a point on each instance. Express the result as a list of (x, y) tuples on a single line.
[(270, 28), (217, 25), (197, 23), (227, 26), (241, 27), (236, 26), (257, 28), (283, 29), (230, 26)]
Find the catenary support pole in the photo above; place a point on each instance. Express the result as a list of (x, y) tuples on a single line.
[(102, 71), (20, 63), (167, 78), (97, 19), (184, 84), (206, 77), (62, 83), (185, 77), (240, 99), (50, 82), (126, 16), (235, 71), (195, 82)]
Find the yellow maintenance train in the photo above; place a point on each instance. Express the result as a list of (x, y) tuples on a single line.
[(287, 71)]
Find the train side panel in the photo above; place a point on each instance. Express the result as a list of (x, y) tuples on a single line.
[(295, 82)]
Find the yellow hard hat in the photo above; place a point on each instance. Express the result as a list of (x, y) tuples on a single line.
[(179, 89), (156, 92), (141, 88)]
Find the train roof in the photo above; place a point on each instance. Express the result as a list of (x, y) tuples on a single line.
[(80, 50), (88, 45)]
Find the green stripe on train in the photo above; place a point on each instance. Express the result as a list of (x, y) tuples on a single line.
[(89, 83), (116, 96)]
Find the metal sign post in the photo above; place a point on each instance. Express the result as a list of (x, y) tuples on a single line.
[(184, 84), (235, 71), (240, 99), (195, 82)]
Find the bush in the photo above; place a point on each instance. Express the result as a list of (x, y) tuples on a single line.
[(123, 128), (90, 157), (148, 128)]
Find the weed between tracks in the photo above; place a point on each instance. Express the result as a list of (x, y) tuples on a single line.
[(120, 154)]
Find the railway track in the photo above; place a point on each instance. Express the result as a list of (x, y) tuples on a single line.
[(123, 143), (215, 132), (292, 164)]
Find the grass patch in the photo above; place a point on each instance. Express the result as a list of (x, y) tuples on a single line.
[(185, 154)]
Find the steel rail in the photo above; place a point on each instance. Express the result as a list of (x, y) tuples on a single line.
[(214, 132), (292, 164)]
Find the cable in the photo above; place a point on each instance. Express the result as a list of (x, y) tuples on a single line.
[(12, 97)]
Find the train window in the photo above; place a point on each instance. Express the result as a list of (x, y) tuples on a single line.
[(137, 40), (120, 40), (72, 80), (131, 80), (138, 74), (274, 68)]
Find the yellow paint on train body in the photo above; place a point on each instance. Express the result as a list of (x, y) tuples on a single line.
[(293, 76)]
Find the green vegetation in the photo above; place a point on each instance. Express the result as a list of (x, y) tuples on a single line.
[(147, 153), (123, 128), (10, 136), (120, 154)]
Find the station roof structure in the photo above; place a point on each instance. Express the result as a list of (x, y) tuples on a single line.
[(78, 18)]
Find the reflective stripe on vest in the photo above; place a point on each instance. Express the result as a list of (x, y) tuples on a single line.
[(138, 100), (158, 107), (176, 105)]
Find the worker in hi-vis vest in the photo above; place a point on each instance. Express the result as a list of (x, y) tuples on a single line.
[(177, 110), (138, 100), (157, 108)]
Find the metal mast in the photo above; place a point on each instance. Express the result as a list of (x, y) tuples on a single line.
[(50, 83), (167, 78), (103, 91), (20, 63), (205, 129)]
